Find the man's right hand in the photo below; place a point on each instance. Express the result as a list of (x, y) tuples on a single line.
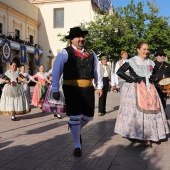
[(99, 92), (117, 86), (56, 95), (113, 88)]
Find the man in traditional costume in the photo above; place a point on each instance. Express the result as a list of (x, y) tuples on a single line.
[(79, 67), (160, 71), (106, 77)]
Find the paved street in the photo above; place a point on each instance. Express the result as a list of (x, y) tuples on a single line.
[(41, 142)]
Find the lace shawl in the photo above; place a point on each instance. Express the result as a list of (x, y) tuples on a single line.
[(12, 76), (43, 76), (141, 68)]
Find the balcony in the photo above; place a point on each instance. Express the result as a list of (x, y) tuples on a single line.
[(16, 46)]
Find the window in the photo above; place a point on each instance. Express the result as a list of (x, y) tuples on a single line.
[(59, 18), (31, 39), (1, 28), (17, 34)]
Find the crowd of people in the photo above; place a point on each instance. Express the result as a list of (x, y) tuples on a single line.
[(17, 39), (70, 87), (15, 94)]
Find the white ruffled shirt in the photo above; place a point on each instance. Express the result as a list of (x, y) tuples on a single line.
[(142, 67), (117, 66)]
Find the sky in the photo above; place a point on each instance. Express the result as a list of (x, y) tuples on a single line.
[(164, 5)]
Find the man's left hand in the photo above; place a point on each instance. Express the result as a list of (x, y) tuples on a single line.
[(99, 92)]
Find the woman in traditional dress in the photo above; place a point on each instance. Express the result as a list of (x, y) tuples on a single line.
[(40, 88), (13, 100), (141, 115), (51, 105), (118, 80), (24, 81)]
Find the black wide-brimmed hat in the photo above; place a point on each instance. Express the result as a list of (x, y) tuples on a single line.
[(160, 52), (74, 32)]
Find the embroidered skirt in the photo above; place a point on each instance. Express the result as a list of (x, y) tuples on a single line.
[(27, 93), (51, 105), (13, 100), (133, 123)]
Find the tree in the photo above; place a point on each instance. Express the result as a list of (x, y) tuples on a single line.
[(109, 34), (145, 26), (158, 31), (105, 35)]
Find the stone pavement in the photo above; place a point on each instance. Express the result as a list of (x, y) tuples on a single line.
[(41, 142)]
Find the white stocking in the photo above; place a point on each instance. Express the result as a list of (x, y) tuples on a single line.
[(75, 130)]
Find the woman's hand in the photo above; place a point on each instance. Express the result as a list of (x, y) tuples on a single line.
[(117, 86), (7, 81)]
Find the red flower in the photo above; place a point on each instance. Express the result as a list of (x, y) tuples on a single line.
[(150, 68)]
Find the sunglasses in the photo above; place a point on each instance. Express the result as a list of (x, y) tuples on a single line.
[(162, 55)]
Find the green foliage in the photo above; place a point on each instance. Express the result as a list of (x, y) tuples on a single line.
[(109, 35)]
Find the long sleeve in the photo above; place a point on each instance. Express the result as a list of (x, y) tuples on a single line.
[(57, 70), (97, 73), (116, 78), (29, 77), (160, 70), (121, 72)]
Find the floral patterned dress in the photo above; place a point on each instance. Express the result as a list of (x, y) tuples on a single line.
[(141, 115), (52, 105)]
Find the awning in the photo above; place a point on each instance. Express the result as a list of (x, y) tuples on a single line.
[(104, 5)]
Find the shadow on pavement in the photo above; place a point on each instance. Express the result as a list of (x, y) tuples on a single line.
[(102, 150)]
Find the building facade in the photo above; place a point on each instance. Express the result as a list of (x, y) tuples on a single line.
[(58, 16), (19, 24), (31, 22)]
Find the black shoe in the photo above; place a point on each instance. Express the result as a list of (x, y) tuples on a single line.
[(55, 115), (77, 152), (14, 119), (80, 139), (58, 116)]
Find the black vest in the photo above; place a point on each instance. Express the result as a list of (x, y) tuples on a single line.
[(78, 68)]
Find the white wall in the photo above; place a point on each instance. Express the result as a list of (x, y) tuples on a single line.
[(74, 14)]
